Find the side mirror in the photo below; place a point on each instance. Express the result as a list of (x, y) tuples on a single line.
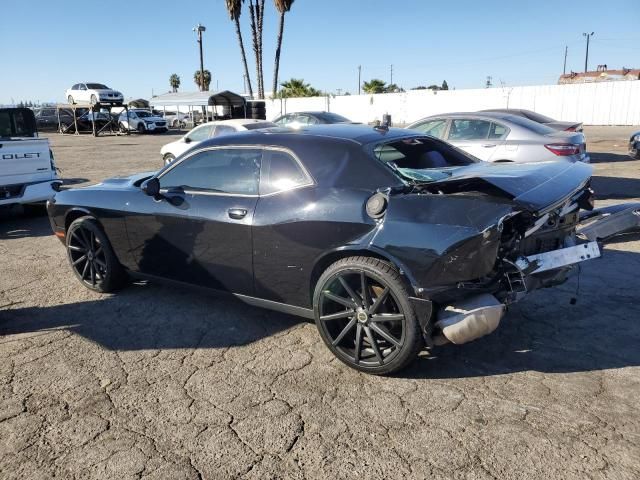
[(187, 140), (151, 187)]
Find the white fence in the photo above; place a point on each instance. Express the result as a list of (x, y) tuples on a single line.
[(606, 103)]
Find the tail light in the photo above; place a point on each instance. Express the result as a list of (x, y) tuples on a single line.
[(564, 149), (570, 129)]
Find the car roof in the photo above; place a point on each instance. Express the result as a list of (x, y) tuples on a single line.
[(480, 115), (237, 121), (355, 133)]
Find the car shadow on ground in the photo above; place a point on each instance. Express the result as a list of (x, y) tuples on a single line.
[(615, 187), (20, 222), (605, 157), (151, 316)]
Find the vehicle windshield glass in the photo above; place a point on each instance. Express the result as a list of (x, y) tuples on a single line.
[(257, 125), (332, 117), (530, 125), (422, 159), (143, 113), (97, 86), (537, 117)]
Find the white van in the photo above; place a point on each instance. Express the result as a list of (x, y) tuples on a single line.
[(27, 168)]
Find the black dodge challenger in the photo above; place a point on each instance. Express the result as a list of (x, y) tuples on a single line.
[(390, 240)]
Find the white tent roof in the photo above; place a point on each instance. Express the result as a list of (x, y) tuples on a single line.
[(198, 99)]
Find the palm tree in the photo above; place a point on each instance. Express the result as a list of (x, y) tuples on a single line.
[(374, 86), (234, 7), (204, 86), (174, 81), (297, 88), (283, 6), (256, 11)]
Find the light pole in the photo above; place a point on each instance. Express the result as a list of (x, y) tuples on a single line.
[(359, 79), (586, 56), (199, 29)]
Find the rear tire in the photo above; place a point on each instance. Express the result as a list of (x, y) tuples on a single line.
[(362, 311), (168, 158), (91, 256)]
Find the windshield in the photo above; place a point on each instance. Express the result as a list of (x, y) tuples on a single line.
[(332, 117), (422, 159), (257, 125), (97, 86), (143, 113), (537, 117), (531, 125)]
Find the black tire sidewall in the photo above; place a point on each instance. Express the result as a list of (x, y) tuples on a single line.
[(115, 275), (141, 128), (374, 267), (169, 157)]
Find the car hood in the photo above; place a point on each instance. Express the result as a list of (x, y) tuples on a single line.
[(120, 183), (537, 187)]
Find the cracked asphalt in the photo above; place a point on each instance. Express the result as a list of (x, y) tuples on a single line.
[(159, 383)]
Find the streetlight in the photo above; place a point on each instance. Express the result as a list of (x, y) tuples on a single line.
[(199, 29), (586, 57)]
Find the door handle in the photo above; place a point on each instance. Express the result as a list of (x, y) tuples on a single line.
[(489, 145), (237, 213)]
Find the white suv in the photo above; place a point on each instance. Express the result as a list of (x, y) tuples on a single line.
[(142, 121), (93, 93)]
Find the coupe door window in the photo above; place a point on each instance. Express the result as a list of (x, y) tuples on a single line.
[(233, 171), (281, 172), (467, 129), (201, 133), (435, 128)]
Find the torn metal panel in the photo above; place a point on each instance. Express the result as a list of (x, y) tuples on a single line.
[(613, 221)]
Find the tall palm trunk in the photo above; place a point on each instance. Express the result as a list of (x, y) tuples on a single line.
[(276, 67), (244, 57), (256, 12)]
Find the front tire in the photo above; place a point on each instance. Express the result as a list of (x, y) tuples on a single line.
[(168, 158), (362, 311), (91, 256), (141, 128), (70, 100), (94, 100)]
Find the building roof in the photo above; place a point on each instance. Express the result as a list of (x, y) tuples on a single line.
[(200, 99)]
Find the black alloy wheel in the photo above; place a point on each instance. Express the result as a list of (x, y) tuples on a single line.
[(91, 256), (363, 313)]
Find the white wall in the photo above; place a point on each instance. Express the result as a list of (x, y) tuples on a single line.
[(606, 103)]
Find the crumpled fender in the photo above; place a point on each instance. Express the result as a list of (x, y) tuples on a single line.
[(443, 239)]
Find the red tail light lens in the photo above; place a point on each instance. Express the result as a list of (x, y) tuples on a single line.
[(570, 129), (564, 149)]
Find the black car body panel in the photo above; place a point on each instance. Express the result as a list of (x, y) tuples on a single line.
[(440, 235), (634, 145)]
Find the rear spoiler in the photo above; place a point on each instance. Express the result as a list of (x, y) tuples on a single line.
[(605, 223)]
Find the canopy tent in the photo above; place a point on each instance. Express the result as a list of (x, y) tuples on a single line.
[(199, 99)]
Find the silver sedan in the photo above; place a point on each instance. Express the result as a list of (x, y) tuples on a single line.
[(501, 137)]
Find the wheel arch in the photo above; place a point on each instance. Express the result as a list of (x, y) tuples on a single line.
[(76, 213), (326, 259)]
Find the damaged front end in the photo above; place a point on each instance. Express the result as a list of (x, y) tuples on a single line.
[(471, 248)]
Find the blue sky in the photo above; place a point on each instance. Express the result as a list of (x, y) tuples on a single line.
[(134, 46)]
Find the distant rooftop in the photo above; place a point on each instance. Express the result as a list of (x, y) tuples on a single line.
[(600, 75)]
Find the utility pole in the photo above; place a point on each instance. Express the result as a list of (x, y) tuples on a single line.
[(359, 79), (488, 84), (586, 56), (199, 29), (391, 82), (564, 67)]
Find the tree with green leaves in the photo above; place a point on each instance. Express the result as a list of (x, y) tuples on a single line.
[(283, 6), (445, 85), (174, 82), (204, 84), (296, 87), (393, 88), (374, 86), (234, 7)]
